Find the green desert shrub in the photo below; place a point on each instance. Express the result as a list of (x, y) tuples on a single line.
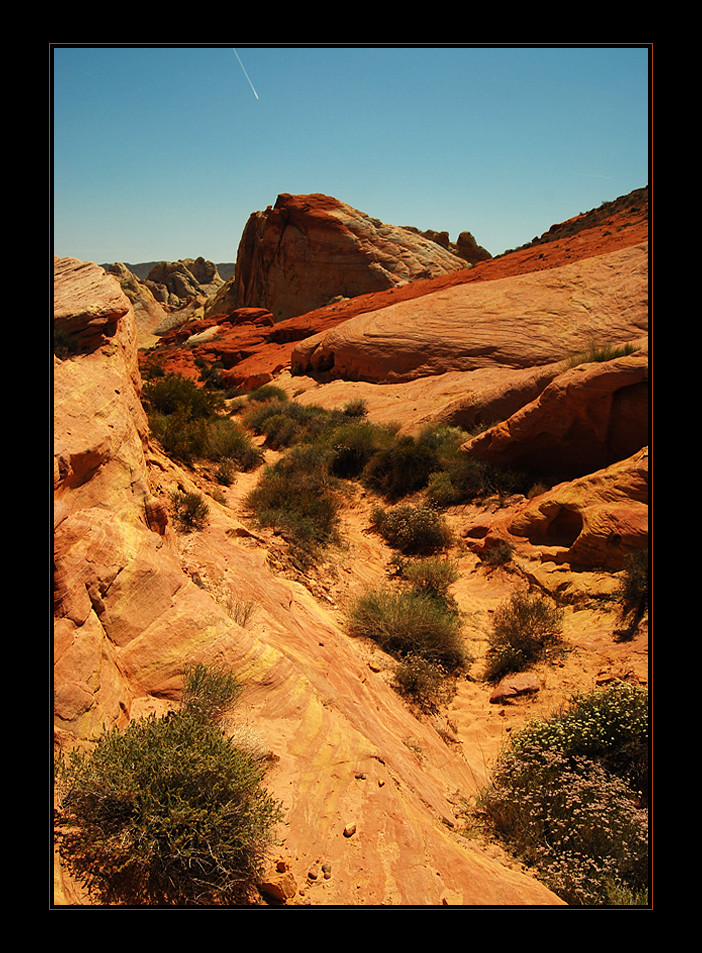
[(424, 682), (354, 443), (357, 407), (433, 575), (190, 510), (173, 394), (226, 439), (566, 797), (402, 468), (464, 478), (295, 496), (498, 554), (634, 591), (170, 811), (524, 630), (405, 622), (597, 353), (285, 422), (189, 423), (413, 530), (267, 392)]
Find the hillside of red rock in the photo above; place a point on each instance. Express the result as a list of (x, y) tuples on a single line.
[(251, 353)]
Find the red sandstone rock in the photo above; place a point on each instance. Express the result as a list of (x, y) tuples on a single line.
[(586, 418), (513, 686), (592, 522), (521, 322), (306, 250)]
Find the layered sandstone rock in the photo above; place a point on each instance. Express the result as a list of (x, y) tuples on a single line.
[(148, 312), (522, 322), (307, 250), (593, 522), (587, 417)]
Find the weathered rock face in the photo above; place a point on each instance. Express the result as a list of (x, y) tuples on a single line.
[(135, 602), (586, 418), (593, 522), (522, 322), (175, 282), (148, 312), (306, 250)]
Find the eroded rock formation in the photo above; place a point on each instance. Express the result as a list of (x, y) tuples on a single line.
[(521, 322), (588, 417), (307, 250)]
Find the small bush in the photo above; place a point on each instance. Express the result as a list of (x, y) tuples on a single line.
[(433, 575), (465, 478), (413, 530), (295, 496), (423, 682), (173, 394), (226, 472), (267, 392), (499, 554), (409, 623), (565, 799), (634, 592), (597, 353), (402, 468), (356, 407), (354, 444), (188, 422), (228, 440), (609, 725), (524, 630), (190, 510), (170, 811), (285, 422)]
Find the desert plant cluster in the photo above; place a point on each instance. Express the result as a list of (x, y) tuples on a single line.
[(171, 811)]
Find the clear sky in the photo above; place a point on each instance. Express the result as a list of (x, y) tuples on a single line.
[(163, 152)]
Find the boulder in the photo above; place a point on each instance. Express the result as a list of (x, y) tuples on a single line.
[(594, 521), (590, 523), (514, 686)]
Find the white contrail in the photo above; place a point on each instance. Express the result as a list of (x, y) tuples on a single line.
[(245, 73)]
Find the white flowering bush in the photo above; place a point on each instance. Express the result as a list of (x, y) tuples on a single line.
[(568, 796)]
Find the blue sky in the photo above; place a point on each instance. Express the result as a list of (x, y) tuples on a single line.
[(161, 153)]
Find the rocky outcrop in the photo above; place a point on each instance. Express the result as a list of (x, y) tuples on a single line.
[(593, 522), (135, 602), (521, 322), (464, 247), (175, 283), (306, 250), (148, 312), (587, 417)]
